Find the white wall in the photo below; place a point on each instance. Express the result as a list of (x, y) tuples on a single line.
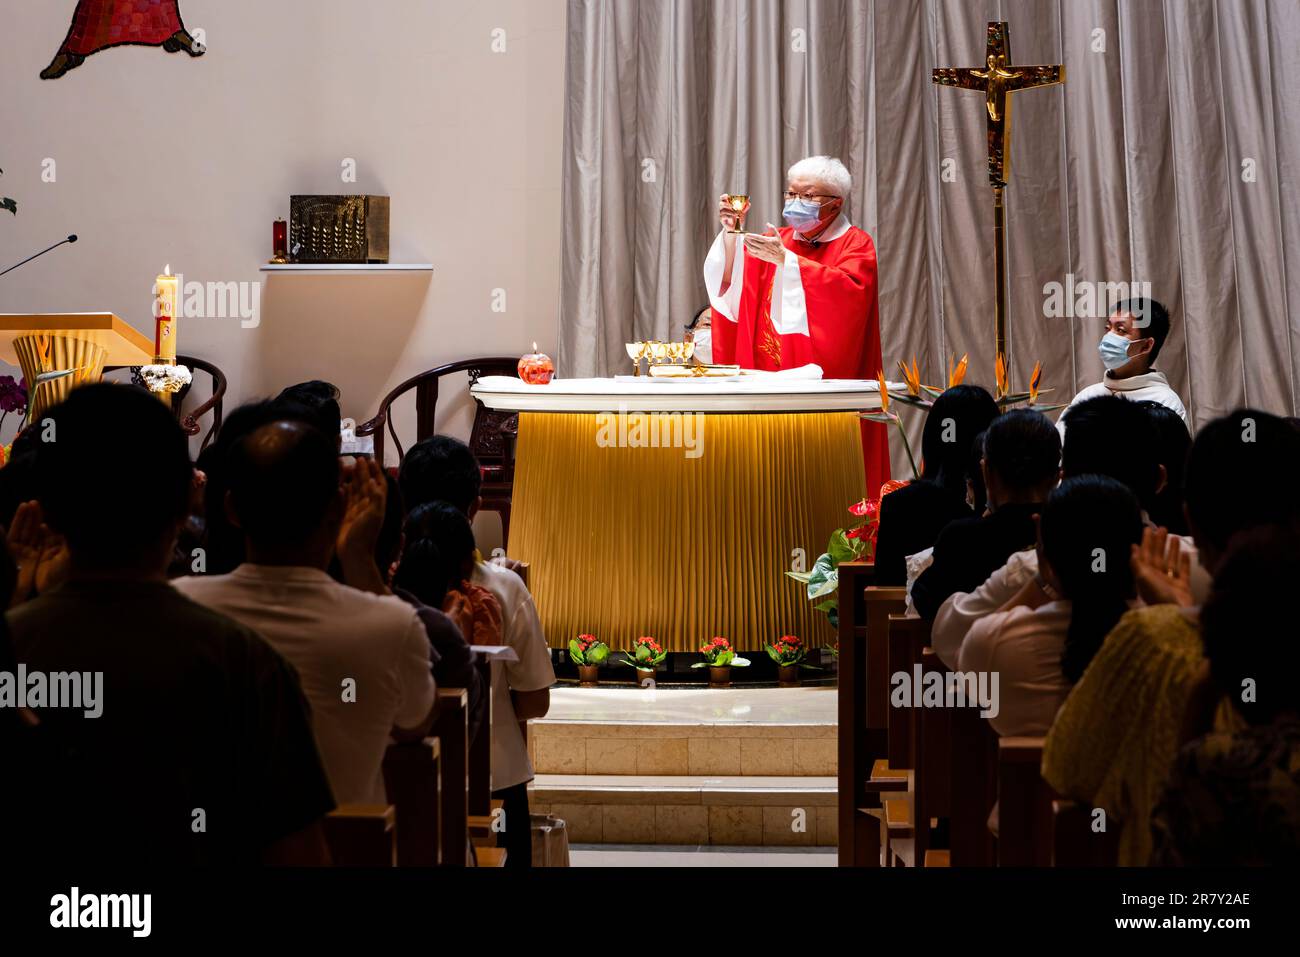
[(163, 159)]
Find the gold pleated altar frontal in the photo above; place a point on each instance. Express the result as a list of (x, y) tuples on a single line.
[(680, 526)]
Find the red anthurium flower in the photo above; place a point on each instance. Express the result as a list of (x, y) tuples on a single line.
[(860, 508)]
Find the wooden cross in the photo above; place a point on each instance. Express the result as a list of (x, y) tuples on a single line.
[(997, 80)]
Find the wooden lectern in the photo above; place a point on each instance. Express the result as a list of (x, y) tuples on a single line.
[(77, 345)]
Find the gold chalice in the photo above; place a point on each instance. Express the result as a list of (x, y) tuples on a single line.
[(636, 352), (658, 351), (675, 352), (688, 351), (738, 204)]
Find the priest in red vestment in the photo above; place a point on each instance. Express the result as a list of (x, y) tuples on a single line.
[(99, 24), (803, 294)]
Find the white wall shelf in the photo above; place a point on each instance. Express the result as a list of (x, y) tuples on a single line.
[(309, 268)]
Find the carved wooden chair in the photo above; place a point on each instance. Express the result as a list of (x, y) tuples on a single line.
[(191, 422), (492, 439)]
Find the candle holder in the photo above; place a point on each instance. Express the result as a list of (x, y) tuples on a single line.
[(280, 242)]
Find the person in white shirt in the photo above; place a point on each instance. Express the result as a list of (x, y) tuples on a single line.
[(1039, 648), (1135, 333), (363, 659), (1106, 436), (443, 469)]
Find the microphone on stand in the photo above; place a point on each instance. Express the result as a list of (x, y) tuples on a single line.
[(61, 242)]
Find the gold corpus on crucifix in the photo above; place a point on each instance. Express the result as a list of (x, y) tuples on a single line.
[(997, 80)]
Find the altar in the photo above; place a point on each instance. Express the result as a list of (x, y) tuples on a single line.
[(674, 508)]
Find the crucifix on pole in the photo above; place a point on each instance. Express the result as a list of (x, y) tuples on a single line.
[(997, 79)]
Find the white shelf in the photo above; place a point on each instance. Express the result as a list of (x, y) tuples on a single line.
[(347, 267)]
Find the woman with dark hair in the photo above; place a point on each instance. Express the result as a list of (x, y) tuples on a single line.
[(912, 517), (437, 568), (1233, 798), (1174, 443), (1086, 532)]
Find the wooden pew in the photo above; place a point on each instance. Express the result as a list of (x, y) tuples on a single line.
[(413, 782), (863, 713), (1076, 844), (362, 835), (452, 729), (973, 767), (906, 831), (1024, 805), (491, 662)]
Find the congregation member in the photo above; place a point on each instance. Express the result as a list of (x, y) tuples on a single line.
[(443, 469), (364, 658), (1116, 734), (1021, 464), (1175, 441), (1085, 533), (1135, 333), (912, 517), (453, 660), (1107, 436), (210, 719), (1233, 798), (439, 558)]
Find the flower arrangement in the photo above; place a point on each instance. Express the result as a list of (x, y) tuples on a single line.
[(13, 398), (718, 653), (646, 654), (166, 379), (856, 544), (588, 651), (786, 651)]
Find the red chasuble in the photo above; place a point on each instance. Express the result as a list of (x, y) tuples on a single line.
[(819, 307), (97, 24)]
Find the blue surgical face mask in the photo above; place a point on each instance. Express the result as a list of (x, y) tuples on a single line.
[(802, 215), (1113, 349)]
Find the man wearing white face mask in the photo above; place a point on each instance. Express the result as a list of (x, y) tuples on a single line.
[(1135, 332), (700, 332), (804, 294)]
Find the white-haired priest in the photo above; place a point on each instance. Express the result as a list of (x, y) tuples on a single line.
[(803, 294)]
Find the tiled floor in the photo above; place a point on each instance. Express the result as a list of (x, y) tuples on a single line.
[(640, 855), (695, 706)]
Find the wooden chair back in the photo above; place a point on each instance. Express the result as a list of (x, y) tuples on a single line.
[(191, 422), (1024, 805), (362, 835), (452, 728), (491, 438), (413, 782)]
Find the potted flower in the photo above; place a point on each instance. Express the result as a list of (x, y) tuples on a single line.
[(787, 651), (588, 652), (720, 658), (646, 655)]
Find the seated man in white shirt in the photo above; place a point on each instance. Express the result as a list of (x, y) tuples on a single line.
[(1135, 333), (443, 469), (363, 658)]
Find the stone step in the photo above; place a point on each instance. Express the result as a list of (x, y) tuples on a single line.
[(735, 810), (687, 732)]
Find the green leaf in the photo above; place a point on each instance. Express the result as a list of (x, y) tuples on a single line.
[(828, 587), (575, 652), (700, 664), (827, 606), (598, 654), (738, 662), (839, 548), (802, 577)]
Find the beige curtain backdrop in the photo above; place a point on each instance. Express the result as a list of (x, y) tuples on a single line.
[(1168, 157)]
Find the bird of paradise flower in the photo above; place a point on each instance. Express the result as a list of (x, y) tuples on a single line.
[(922, 396)]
